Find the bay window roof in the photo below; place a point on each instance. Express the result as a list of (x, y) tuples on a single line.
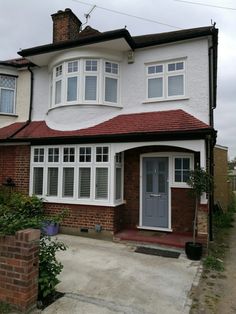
[(162, 123)]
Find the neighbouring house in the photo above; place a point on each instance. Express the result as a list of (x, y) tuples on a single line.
[(232, 178), (115, 124), (222, 189)]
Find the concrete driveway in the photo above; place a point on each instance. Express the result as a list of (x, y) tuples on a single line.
[(104, 277)]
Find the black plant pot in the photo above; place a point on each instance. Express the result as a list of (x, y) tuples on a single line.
[(193, 250)]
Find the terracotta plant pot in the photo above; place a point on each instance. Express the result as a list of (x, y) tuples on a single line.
[(193, 250)]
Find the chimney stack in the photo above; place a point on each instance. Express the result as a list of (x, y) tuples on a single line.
[(66, 26)]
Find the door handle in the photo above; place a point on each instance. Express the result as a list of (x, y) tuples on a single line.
[(155, 195)]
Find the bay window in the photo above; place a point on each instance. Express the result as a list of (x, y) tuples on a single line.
[(7, 94), (85, 81), (76, 174), (166, 80)]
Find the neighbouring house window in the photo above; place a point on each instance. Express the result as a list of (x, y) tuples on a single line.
[(85, 81), (78, 173), (182, 169), (166, 80), (111, 82), (7, 93)]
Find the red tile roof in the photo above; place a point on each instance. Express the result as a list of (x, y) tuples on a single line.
[(139, 123), (10, 130)]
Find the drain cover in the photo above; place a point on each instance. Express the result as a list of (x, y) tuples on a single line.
[(158, 252)]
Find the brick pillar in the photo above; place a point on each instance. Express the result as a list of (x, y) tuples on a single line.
[(19, 269), (202, 222)]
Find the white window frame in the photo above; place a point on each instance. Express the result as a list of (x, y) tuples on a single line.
[(165, 75), (11, 89), (112, 76), (181, 156), (81, 75), (93, 165)]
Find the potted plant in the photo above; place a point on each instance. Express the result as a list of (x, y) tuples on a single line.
[(200, 182), (51, 223)]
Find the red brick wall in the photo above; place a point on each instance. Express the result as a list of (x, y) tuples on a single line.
[(182, 207), (87, 216), (19, 269), (15, 163)]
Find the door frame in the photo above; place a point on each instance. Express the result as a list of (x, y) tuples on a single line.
[(166, 155)]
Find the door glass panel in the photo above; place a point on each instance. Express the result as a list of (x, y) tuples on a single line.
[(162, 165), (161, 183), (149, 182)]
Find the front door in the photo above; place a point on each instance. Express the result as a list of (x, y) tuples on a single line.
[(155, 192)]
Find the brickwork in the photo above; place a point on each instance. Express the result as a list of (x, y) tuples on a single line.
[(66, 26), (87, 216), (221, 186), (19, 269), (182, 207), (15, 163)]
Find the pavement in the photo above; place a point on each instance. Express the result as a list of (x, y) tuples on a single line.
[(104, 277)]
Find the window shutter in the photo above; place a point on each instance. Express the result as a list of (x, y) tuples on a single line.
[(84, 182), (110, 89), (68, 182), (90, 88), (118, 183), (101, 183), (155, 87), (52, 182), (175, 85), (38, 181), (72, 88)]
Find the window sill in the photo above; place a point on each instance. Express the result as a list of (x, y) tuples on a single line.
[(84, 105), (180, 185), (73, 201), (8, 114), (150, 101)]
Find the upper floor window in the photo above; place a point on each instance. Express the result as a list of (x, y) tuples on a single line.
[(85, 81), (7, 93), (166, 80)]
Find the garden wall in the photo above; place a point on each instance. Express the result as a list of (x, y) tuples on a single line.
[(19, 264)]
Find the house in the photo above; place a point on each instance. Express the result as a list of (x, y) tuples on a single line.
[(116, 123)]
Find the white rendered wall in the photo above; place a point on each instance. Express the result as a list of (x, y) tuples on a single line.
[(132, 86)]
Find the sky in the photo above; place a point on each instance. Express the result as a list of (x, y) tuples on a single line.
[(28, 23)]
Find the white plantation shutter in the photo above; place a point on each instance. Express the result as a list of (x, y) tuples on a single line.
[(90, 88), (7, 100), (84, 182), (101, 183), (175, 85), (111, 89), (118, 183), (38, 181), (52, 188), (68, 182)]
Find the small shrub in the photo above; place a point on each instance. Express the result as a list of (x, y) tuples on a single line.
[(49, 266), (213, 263)]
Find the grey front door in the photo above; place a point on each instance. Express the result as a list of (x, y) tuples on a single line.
[(155, 192)]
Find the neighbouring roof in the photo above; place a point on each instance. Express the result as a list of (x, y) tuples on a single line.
[(91, 36), (18, 63), (151, 123)]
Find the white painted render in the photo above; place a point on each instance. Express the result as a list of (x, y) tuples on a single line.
[(132, 85), (22, 97)]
